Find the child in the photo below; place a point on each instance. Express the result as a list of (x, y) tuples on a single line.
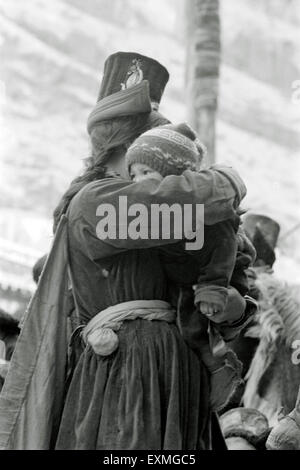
[(170, 150)]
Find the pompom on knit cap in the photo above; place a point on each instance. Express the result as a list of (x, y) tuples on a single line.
[(169, 149)]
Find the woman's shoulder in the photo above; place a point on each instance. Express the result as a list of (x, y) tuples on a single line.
[(100, 185), (94, 189)]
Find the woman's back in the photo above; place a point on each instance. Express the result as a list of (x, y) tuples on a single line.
[(102, 282)]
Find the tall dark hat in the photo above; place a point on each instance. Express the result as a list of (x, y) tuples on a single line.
[(263, 232), (125, 69), (131, 84)]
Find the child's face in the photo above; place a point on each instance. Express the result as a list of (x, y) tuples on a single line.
[(140, 172)]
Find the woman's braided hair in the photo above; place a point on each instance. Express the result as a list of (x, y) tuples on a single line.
[(107, 138), (92, 172)]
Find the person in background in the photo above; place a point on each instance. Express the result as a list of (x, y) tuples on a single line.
[(9, 332), (38, 268), (263, 233), (273, 377)]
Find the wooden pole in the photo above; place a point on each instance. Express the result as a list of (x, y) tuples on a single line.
[(202, 68)]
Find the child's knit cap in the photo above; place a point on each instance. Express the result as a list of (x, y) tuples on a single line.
[(168, 149)]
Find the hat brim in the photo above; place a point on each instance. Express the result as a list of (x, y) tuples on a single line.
[(129, 102)]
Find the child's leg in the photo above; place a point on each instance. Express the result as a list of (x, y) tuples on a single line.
[(192, 326), (224, 371), (216, 263)]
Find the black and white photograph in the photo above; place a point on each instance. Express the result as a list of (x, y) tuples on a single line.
[(149, 228)]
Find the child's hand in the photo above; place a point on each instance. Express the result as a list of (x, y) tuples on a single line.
[(210, 309), (232, 312)]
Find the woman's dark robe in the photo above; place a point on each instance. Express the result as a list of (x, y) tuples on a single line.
[(153, 391), (31, 399)]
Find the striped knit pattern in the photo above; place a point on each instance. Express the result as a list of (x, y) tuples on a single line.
[(164, 150)]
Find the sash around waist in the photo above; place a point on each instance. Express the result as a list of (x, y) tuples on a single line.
[(100, 331)]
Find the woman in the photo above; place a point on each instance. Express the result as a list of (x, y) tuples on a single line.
[(151, 391)]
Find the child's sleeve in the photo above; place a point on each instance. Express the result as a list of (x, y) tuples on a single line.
[(219, 189), (217, 263)]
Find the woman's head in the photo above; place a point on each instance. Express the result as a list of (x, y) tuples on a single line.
[(130, 93), (38, 268), (110, 140)]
